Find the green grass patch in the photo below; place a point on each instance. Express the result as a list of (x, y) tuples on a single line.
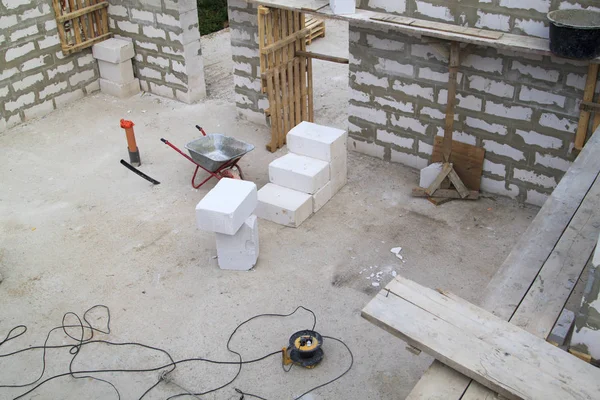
[(212, 15)]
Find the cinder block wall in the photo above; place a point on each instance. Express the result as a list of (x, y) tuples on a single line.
[(168, 60), (522, 17), (249, 99), (523, 109), (35, 76)]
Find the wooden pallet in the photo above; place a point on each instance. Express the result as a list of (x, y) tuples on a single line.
[(317, 28), (81, 23)]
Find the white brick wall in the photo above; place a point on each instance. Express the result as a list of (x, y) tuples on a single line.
[(503, 150)]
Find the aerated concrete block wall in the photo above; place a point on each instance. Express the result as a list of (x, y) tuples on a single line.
[(523, 109), (249, 99), (35, 76), (166, 39), (522, 17)]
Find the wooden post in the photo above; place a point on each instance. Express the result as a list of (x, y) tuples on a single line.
[(584, 116), (454, 63)]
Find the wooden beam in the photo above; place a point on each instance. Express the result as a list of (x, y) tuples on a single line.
[(80, 12), (588, 96), (284, 42), (511, 283), (446, 169), (494, 352), (454, 63), (589, 106), (323, 57), (445, 193), (87, 43)]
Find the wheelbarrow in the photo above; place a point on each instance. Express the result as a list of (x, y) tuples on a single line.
[(216, 154)]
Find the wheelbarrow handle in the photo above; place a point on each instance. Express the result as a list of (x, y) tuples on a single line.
[(165, 141), (201, 130)]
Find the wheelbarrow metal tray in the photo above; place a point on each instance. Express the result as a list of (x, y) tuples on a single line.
[(215, 150)]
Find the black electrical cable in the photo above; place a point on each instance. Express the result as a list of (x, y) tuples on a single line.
[(82, 341)]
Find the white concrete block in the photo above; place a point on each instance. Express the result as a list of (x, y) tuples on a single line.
[(113, 50), (322, 197), (119, 73), (317, 141), (240, 251), (283, 206), (338, 170), (342, 6), (225, 208), (429, 173), (120, 90), (301, 173)]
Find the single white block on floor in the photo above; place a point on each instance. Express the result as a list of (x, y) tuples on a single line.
[(317, 141), (225, 208), (119, 73), (120, 90), (322, 197), (301, 173), (113, 50), (342, 6), (429, 173), (240, 251), (283, 206)]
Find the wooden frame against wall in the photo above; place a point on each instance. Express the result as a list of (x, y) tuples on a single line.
[(81, 23)]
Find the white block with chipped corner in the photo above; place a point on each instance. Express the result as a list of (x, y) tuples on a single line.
[(342, 6), (317, 141), (322, 197), (301, 173), (119, 73), (120, 90), (113, 50), (429, 173), (240, 251), (283, 206), (227, 206)]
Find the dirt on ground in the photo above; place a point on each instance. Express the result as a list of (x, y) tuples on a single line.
[(78, 229)]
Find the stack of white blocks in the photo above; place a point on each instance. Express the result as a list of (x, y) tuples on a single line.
[(306, 178), (116, 70), (227, 210)]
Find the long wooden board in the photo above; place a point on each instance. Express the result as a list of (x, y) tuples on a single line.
[(467, 161), (511, 283), (499, 355)]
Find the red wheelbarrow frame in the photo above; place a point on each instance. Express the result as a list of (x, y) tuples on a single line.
[(213, 174)]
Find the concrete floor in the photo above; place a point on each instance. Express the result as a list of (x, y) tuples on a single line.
[(78, 229)]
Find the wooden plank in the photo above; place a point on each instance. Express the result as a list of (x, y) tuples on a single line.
[(103, 13), (446, 168), (272, 146), (505, 358), (588, 96), (466, 159), (80, 11), (309, 92), (61, 28), (323, 57), (86, 44), (297, 90), (83, 21), (451, 102), (463, 30), (520, 43), (444, 193), (287, 41), (76, 27), (458, 184), (511, 282)]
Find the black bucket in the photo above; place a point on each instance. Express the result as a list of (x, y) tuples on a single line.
[(575, 33)]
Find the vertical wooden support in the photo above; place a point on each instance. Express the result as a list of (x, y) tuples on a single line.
[(584, 116), (454, 63)]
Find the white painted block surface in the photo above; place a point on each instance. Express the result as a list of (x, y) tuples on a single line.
[(240, 251), (317, 141), (322, 197), (429, 173), (342, 6), (283, 206), (301, 173), (225, 208), (338, 170), (596, 258), (120, 90), (119, 73), (113, 50)]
